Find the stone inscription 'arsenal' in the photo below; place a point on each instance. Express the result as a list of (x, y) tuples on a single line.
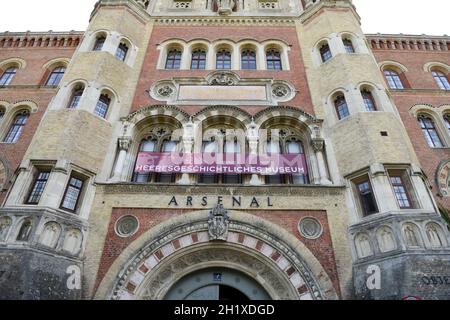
[(235, 201)]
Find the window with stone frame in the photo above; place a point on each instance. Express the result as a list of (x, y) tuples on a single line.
[(173, 61), (7, 76), (17, 127), (273, 60), (55, 76), (369, 100), (157, 140), (38, 186), (223, 59), (348, 44), (73, 193), (286, 140), (430, 131), (341, 107), (248, 59), (402, 188), (325, 52), (221, 140), (122, 51), (198, 60), (441, 80), (102, 106), (75, 98), (99, 43), (365, 195), (393, 79)]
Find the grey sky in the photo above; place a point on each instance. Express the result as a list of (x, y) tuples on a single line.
[(385, 16)]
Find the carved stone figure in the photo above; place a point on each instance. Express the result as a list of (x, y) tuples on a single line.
[(223, 79), (225, 7), (218, 223)]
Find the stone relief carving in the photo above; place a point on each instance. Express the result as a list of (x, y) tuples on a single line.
[(222, 78), (127, 226), (163, 91), (218, 223), (225, 7), (310, 228), (282, 91)]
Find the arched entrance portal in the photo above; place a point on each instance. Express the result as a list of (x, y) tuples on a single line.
[(217, 284)]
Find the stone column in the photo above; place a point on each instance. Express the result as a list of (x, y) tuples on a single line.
[(318, 146), (124, 146), (188, 144), (261, 58), (253, 140)]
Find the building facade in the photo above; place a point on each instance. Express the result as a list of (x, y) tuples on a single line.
[(368, 115)]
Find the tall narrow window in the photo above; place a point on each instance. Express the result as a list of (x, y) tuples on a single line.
[(393, 80), (76, 98), (341, 107), (167, 146), (348, 44), (248, 59), (223, 60), (430, 132), (7, 76), (101, 109), (274, 147), (369, 101), (55, 77), (400, 192), (366, 197), (441, 80), (98, 46), (72, 194), (273, 58), (173, 59), (17, 127), (38, 187), (198, 61), (296, 147), (325, 52), (209, 147), (446, 119), (147, 145), (122, 51)]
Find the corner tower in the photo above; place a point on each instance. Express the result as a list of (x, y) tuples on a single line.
[(395, 232)]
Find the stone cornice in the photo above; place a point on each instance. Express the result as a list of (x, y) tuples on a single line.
[(236, 21)]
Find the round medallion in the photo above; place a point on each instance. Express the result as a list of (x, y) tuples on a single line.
[(310, 228), (127, 226)]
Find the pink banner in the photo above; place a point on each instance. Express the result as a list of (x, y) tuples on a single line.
[(229, 163)]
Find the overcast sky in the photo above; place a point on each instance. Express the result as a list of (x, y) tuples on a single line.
[(385, 16)]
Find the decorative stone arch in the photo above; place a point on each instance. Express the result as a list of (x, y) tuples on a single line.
[(288, 112), (4, 173), (396, 66), (157, 110), (428, 67), (442, 176), (13, 62), (58, 62), (417, 109), (275, 259), (228, 111)]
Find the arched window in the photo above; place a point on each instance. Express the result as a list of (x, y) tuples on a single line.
[(341, 107), (325, 52), (17, 127), (173, 59), (248, 59), (286, 142), (273, 58), (76, 98), (430, 132), (348, 44), (441, 80), (393, 79), (24, 231), (223, 60), (369, 101), (99, 42), (2, 113), (121, 52), (198, 61), (7, 76), (446, 119), (55, 77), (159, 140), (102, 106)]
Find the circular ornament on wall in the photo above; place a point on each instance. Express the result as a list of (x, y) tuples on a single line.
[(127, 226), (163, 91), (310, 228), (282, 91)]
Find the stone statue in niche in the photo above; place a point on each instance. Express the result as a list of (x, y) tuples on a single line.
[(224, 7), (218, 223)]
